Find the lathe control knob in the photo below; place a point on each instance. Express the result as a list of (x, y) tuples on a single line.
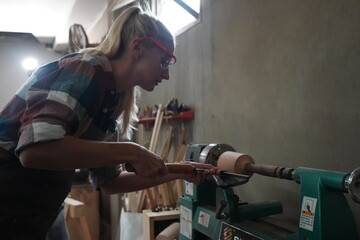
[(219, 212), (352, 184)]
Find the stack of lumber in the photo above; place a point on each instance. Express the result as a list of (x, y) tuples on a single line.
[(165, 196)]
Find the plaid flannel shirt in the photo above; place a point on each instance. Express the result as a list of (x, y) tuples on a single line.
[(75, 95)]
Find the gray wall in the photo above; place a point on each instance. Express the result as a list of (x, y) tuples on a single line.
[(12, 52), (278, 80)]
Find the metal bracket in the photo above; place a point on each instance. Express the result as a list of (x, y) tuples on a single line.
[(352, 184)]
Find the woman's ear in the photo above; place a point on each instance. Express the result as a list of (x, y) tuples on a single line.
[(137, 48)]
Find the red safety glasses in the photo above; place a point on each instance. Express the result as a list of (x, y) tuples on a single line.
[(163, 65)]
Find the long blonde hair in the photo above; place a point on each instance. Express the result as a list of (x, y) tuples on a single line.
[(133, 22)]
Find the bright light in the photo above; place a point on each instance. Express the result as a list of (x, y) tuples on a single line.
[(30, 64), (41, 21), (169, 9)]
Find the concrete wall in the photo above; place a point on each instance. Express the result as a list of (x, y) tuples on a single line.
[(278, 80)]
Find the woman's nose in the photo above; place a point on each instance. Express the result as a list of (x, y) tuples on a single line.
[(165, 74)]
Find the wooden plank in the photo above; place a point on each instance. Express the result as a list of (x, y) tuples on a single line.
[(140, 202), (90, 198), (154, 129), (179, 183), (152, 147), (181, 139), (168, 142), (140, 135), (180, 154), (158, 127), (150, 219), (74, 208), (164, 188), (84, 228), (132, 198)]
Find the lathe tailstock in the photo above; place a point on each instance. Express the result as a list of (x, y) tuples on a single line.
[(211, 210)]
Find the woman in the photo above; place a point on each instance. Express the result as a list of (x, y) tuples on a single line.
[(56, 123)]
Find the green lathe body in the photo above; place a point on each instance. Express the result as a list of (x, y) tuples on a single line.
[(324, 211)]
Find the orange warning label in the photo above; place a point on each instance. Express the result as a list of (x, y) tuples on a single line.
[(308, 210), (308, 213)]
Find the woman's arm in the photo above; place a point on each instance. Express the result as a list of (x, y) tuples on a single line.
[(129, 182), (71, 153)]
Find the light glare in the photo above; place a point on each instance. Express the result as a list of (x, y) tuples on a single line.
[(169, 9), (30, 64)]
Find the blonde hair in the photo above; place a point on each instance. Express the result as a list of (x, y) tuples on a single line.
[(133, 22)]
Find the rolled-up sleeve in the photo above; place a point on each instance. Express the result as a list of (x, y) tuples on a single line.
[(56, 103)]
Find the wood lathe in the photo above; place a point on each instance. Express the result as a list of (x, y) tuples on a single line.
[(211, 210)]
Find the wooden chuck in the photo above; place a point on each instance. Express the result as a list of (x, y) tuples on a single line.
[(235, 162)]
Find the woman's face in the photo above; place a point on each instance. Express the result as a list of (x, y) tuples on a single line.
[(153, 65)]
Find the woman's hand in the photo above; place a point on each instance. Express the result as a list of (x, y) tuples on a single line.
[(147, 164)]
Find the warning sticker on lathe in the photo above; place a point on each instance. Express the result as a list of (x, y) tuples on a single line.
[(185, 222), (189, 188), (204, 219), (307, 215)]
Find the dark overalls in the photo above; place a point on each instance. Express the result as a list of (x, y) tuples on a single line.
[(30, 199)]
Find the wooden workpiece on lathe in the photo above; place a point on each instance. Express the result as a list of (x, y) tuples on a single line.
[(234, 162)]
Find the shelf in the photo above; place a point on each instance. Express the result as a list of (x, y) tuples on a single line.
[(183, 116), (150, 218)]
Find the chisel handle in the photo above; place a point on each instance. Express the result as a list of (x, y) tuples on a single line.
[(173, 168), (180, 168)]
